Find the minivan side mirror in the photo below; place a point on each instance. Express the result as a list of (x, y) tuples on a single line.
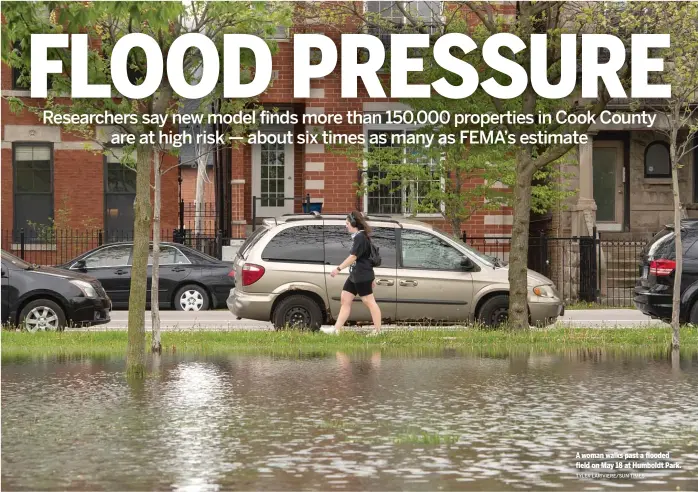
[(467, 264), (80, 265)]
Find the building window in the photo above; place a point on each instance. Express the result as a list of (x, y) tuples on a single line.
[(17, 74), (281, 32), (119, 194), (33, 187), (47, 16), (424, 12), (407, 190), (657, 160)]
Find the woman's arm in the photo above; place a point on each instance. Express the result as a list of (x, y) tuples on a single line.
[(350, 259)]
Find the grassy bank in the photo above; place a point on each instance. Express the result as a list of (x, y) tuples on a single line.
[(113, 343)]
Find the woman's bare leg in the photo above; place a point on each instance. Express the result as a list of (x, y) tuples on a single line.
[(370, 302), (346, 299)]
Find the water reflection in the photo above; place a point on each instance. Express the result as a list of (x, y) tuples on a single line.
[(351, 421)]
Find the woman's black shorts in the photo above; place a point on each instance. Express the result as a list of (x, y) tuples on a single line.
[(361, 288)]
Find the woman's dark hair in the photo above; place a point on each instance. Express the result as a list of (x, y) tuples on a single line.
[(360, 222)]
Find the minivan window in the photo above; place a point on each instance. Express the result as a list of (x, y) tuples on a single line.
[(301, 244), (112, 256), (426, 251), (338, 245), (473, 251), (251, 241)]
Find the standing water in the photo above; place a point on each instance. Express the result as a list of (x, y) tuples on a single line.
[(368, 421)]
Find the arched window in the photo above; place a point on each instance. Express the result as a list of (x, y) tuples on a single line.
[(657, 161)]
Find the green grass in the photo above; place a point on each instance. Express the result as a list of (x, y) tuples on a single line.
[(305, 344), (335, 424), (576, 306), (426, 438)]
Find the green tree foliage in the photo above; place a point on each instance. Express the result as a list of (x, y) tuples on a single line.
[(106, 23)]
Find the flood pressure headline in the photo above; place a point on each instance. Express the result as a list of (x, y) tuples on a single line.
[(352, 68)]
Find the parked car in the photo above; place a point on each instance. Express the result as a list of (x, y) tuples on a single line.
[(655, 287), (44, 298), (283, 276), (189, 280)]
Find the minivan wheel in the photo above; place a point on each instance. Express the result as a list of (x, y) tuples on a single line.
[(298, 312), (42, 315), (495, 311)]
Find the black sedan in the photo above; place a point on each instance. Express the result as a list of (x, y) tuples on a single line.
[(189, 280), (39, 298)]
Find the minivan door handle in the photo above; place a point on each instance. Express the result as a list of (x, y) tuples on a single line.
[(178, 269), (385, 281), (121, 272), (408, 283)]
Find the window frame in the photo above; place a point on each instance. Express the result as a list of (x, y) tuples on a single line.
[(644, 161), (16, 74), (364, 171), (15, 146), (369, 30), (162, 246), (129, 262), (400, 258), (105, 190), (290, 230), (405, 21), (85, 257), (375, 227)]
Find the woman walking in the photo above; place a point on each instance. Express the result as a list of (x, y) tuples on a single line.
[(361, 276)]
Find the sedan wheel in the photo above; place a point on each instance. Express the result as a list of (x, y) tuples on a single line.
[(41, 318), (191, 300)]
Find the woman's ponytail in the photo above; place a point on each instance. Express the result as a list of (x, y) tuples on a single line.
[(361, 222)]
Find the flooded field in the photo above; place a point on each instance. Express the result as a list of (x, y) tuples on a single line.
[(437, 421)]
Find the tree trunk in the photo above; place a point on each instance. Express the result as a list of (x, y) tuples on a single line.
[(135, 352), (154, 289), (456, 226), (199, 200), (675, 361), (518, 253), (676, 300)]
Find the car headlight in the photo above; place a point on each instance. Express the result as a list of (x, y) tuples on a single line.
[(544, 291), (87, 289)]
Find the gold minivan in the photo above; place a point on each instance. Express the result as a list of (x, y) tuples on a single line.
[(282, 275)]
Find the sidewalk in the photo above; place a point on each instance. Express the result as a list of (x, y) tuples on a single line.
[(223, 320)]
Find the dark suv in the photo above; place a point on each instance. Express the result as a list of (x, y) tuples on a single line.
[(655, 288)]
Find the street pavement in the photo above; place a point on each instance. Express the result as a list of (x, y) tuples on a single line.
[(223, 320)]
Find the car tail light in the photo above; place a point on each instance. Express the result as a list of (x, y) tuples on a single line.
[(231, 273), (662, 268), (251, 273)]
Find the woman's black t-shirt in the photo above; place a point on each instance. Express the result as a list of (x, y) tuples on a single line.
[(361, 270)]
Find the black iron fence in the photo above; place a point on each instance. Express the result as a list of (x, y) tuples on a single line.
[(55, 247), (591, 269), (205, 212)]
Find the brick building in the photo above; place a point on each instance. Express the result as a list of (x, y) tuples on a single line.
[(52, 177), (268, 177)]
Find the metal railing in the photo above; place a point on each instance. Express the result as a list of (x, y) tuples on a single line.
[(56, 247), (585, 268), (591, 269)]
